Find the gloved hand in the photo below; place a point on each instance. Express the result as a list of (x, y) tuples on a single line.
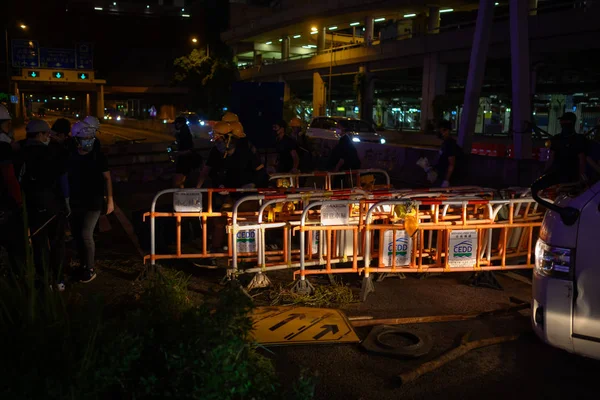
[(423, 162), (67, 207), (445, 184)]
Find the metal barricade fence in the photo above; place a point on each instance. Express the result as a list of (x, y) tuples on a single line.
[(287, 219), (466, 239)]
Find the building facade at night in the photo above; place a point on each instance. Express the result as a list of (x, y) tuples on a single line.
[(408, 61)]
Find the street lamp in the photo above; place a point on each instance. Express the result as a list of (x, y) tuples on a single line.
[(6, 58), (194, 40), (23, 26)]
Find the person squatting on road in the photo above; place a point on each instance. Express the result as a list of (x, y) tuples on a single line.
[(12, 233), (44, 183), (232, 163), (568, 152), (89, 177)]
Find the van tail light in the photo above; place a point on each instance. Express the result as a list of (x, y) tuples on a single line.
[(552, 261)]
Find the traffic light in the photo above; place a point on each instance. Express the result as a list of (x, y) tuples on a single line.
[(58, 75), (83, 76), (33, 74)]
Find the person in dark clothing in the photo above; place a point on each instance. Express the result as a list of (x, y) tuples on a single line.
[(450, 157), (568, 152), (188, 161), (231, 163), (344, 157), (47, 205), (12, 232), (287, 150), (89, 180), (305, 146)]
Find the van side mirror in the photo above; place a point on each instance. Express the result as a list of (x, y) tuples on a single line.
[(568, 215)]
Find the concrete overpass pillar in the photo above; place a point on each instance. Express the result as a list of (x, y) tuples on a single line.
[(481, 41), (369, 30), (434, 20), (434, 84), (87, 104), (520, 72), (318, 95), (285, 48), (321, 39), (100, 102), (366, 94)]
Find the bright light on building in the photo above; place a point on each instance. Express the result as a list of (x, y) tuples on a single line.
[(269, 42), (183, 10), (409, 15), (147, 5), (446, 10), (314, 29), (297, 36), (332, 28), (23, 26), (185, 15), (98, 8), (355, 24), (379, 19), (115, 3), (281, 40), (194, 40), (496, 4), (314, 32)]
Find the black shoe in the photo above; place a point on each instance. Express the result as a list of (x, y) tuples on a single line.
[(87, 275)]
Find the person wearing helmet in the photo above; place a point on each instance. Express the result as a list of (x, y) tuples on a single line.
[(46, 200), (287, 150), (568, 152), (231, 163), (89, 182), (94, 123), (188, 162), (11, 223), (230, 117)]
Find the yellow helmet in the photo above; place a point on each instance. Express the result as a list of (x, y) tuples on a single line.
[(230, 117), (295, 122), (237, 130), (222, 128)]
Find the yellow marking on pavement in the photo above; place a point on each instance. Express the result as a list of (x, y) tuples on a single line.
[(301, 325)]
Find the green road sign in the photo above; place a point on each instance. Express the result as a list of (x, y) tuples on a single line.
[(84, 77), (58, 75), (33, 74)]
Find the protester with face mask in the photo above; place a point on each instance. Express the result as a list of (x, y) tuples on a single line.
[(568, 152), (89, 183), (12, 236), (47, 205)]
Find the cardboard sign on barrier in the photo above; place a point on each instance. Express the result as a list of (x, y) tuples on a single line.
[(462, 249), (301, 325), (403, 248), (187, 201), (245, 240), (335, 214)]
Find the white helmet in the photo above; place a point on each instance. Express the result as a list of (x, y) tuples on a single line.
[(92, 121), (81, 129), (4, 114)]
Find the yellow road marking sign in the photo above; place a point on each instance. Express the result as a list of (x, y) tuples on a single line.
[(301, 325)]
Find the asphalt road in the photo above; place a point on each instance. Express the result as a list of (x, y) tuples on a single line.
[(526, 368)]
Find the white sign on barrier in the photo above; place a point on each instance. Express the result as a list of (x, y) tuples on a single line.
[(463, 249), (245, 240), (403, 247), (187, 201), (335, 214)]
